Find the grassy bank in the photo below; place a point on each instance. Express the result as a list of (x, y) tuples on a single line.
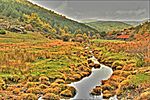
[(130, 79), (31, 66)]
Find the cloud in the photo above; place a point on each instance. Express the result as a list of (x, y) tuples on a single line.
[(131, 12)]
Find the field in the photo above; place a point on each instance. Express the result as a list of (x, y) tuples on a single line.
[(30, 63)]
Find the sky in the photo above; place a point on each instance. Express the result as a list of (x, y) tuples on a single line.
[(99, 9)]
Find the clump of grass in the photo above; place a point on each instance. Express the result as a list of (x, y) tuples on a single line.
[(28, 96), (2, 31), (139, 79), (51, 96)]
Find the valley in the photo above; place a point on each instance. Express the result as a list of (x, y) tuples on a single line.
[(43, 53)]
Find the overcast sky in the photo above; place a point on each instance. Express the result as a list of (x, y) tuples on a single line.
[(99, 9)]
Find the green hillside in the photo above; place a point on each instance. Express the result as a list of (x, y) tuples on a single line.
[(133, 23), (108, 25), (22, 12)]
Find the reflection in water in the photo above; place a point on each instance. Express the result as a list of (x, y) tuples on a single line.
[(85, 85)]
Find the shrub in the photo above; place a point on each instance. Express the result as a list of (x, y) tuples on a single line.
[(2, 31)]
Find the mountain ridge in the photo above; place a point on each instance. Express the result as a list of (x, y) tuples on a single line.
[(18, 9)]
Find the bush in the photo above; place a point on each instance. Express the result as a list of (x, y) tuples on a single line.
[(2, 31)]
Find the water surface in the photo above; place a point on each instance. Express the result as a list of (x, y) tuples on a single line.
[(84, 86)]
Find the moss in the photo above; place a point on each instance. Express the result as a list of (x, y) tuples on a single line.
[(139, 79)]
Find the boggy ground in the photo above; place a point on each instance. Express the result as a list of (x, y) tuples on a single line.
[(129, 80), (32, 66)]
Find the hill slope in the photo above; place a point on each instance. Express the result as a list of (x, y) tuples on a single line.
[(24, 12), (108, 25)]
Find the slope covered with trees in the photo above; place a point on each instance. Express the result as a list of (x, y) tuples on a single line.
[(108, 25), (22, 13)]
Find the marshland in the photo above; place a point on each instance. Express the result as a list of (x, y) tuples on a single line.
[(46, 55)]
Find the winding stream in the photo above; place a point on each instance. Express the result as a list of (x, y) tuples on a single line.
[(84, 86)]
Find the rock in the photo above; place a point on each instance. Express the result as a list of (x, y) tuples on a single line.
[(16, 29), (50, 96)]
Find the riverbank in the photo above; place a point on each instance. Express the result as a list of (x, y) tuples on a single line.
[(36, 67), (128, 80)]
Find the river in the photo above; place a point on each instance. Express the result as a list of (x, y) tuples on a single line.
[(84, 86)]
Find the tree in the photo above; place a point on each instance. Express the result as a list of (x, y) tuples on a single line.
[(103, 34), (66, 37)]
